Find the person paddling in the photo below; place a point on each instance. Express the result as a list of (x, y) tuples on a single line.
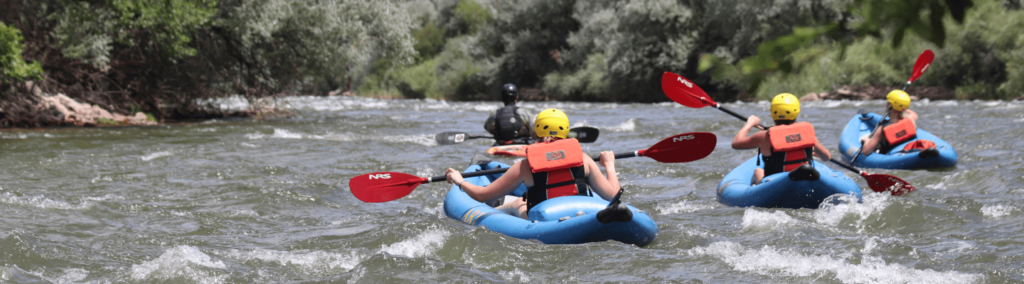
[(554, 167), (900, 127), (786, 146), (508, 124)]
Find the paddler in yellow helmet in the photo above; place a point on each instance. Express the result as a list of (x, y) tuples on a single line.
[(900, 127), (785, 146), (555, 166)]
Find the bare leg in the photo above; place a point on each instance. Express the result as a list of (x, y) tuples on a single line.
[(758, 175), (514, 207)]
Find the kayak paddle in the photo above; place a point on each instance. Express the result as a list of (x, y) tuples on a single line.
[(880, 182), (584, 134), (686, 93), (923, 62), (388, 186)]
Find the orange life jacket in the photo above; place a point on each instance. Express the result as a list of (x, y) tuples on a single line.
[(791, 147), (557, 171), (896, 133)]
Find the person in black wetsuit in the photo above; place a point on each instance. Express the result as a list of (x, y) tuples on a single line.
[(508, 124)]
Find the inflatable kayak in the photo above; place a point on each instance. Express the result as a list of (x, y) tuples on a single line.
[(862, 125), (805, 187), (562, 220)]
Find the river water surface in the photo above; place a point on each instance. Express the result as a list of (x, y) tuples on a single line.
[(242, 201)]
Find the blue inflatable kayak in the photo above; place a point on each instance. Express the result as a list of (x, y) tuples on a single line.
[(862, 125), (781, 190), (562, 220)]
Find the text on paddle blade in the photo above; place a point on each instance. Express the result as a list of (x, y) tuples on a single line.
[(683, 138), (685, 82)]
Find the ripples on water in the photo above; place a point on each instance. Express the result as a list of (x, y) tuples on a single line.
[(243, 201)]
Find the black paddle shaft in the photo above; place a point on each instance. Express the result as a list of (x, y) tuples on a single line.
[(848, 167)]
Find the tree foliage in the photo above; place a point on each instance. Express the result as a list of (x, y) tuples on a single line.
[(167, 57), (886, 20), (11, 62)]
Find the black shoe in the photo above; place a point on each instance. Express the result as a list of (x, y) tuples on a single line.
[(928, 153), (804, 172), (615, 213)]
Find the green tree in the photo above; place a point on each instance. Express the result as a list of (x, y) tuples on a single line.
[(887, 20), (13, 65), (285, 44)]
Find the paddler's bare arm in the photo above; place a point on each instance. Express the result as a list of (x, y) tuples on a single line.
[(821, 151), (504, 185), (744, 140), (604, 187)]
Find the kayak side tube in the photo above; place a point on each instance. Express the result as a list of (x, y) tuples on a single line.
[(779, 190), (563, 220)]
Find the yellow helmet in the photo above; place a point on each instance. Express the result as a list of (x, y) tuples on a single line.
[(551, 122), (785, 106), (899, 100)]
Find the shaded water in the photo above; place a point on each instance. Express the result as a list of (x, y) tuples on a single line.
[(239, 201)]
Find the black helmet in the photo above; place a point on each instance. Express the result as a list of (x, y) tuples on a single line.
[(509, 93)]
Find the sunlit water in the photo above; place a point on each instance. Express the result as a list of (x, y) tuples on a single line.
[(242, 201)]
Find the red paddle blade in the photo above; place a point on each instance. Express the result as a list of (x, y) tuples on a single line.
[(383, 186), (682, 148), (684, 91), (887, 183), (923, 62)]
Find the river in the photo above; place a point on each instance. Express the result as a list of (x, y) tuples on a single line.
[(244, 201)]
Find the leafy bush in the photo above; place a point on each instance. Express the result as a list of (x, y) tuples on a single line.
[(13, 65), (981, 60)]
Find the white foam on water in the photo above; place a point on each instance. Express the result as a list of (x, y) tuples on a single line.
[(773, 262), (424, 140), (72, 275), (101, 178), (753, 218), (515, 276), (486, 107), (285, 134), (626, 126), (318, 263), (40, 201), (421, 245), (944, 184), (103, 198), (255, 136), (427, 171), (869, 245), (180, 261), (830, 103), (997, 210), (247, 145), (682, 207), (152, 156), (836, 207)]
